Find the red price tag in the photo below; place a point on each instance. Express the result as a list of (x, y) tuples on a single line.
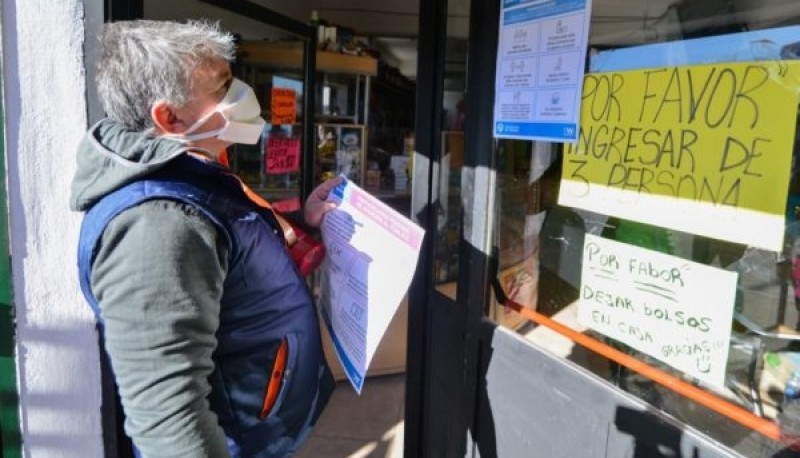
[(282, 155), (283, 106)]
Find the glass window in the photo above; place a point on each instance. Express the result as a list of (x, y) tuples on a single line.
[(448, 170), (271, 166), (669, 232)]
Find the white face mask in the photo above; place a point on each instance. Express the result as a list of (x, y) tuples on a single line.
[(242, 113)]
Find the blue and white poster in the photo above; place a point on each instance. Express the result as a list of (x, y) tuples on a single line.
[(540, 64), (371, 255)]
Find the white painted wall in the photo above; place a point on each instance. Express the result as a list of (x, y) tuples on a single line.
[(44, 86)]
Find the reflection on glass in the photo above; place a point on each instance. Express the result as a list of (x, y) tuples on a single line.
[(448, 211), (448, 186)]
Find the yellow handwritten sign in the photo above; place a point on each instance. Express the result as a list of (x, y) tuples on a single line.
[(704, 149), (283, 106)]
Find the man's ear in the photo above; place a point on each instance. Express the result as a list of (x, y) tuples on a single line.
[(166, 119)]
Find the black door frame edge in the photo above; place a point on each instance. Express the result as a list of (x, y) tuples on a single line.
[(474, 279), (430, 89)]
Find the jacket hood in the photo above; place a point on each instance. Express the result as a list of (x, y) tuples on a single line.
[(111, 156)]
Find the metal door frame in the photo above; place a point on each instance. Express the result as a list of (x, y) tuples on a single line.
[(447, 339)]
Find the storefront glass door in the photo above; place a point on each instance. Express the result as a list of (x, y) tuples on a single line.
[(710, 348), (641, 364)]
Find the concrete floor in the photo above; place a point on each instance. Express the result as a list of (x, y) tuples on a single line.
[(353, 426)]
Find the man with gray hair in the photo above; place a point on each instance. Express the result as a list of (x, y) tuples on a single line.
[(210, 328)]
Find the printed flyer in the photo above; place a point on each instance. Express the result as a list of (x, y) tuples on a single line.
[(372, 253), (540, 64)]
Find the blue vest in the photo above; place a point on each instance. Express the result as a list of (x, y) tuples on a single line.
[(265, 303)]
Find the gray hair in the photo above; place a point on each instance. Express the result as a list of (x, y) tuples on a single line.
[(143, 62)]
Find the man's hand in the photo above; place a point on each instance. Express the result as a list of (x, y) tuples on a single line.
[(317, 205)]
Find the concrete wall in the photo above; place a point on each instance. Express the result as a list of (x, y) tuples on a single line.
[(44, 84)]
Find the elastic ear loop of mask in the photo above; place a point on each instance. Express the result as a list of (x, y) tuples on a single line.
[(187, 134)]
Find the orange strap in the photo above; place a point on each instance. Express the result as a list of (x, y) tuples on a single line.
[(275, 380), (288, 230), (258, 200), (223, 159), (698, 395)]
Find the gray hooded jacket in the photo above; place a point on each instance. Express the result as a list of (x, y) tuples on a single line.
[(158, 274)]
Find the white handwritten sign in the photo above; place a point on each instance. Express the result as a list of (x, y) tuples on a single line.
[(674, 310)]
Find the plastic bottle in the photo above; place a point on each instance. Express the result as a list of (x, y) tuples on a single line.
[(789, 418)]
